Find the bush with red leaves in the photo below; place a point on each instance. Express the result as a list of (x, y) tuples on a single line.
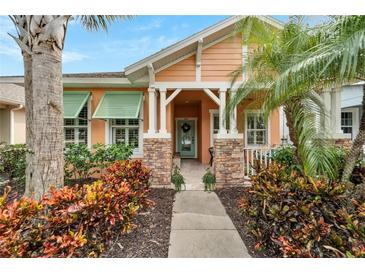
[(77, 221)]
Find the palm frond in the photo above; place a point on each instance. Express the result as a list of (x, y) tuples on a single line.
[(97, 22)]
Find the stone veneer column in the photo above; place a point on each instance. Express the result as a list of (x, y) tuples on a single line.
[(157, 155), (228, 161)]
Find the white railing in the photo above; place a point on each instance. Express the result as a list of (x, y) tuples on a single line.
[(253, 157)]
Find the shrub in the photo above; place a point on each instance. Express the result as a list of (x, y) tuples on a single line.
[(105, 154), (13, 164), (81, 163), (76, 221), (208, 180), (293, 216), (177, 179), (284, 155)]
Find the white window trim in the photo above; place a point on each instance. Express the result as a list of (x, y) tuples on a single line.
[(268, 131), (137, 152), (355, 120), (212, 112), (88, 126)]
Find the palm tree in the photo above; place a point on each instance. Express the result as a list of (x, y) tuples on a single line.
[(41, 39), (276, 51), (338, 57)]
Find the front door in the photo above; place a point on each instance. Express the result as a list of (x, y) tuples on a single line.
[(186, 138)]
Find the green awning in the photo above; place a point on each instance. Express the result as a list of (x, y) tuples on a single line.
[(119, 105), (73, 102)]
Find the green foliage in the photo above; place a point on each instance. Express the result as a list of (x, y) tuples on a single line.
[(208, 180), (276, 52), (294, 216), (76, 221), (177, 179), (284, 155), (13, 164), (105, 154), (81, 163)]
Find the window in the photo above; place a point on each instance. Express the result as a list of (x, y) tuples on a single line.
[(347, 122), (215, 123), (126, 131), (256, 131), (76, 130)]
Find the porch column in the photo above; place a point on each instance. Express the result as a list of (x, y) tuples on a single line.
[(163, 111), (325, 119), (152, 113), (233, 116), (222, 106), (336, 111)]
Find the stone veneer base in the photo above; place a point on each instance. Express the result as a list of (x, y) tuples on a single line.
[(157, 155), (228, 161)]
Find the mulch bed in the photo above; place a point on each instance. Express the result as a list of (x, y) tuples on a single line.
[(150, 238), (230, 197)]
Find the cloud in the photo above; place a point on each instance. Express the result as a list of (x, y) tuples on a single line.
[(73, 56), (8, 46), (11, 51), (137, 47), (153, 24), (182, 26)]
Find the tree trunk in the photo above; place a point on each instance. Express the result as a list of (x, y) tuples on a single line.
[(292, 133), (45, 120), (357, 146), (28, 88)]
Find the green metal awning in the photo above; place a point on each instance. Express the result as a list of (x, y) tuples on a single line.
[(119, 105), (73, 102)]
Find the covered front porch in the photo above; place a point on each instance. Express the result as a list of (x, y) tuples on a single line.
[(187, 121)]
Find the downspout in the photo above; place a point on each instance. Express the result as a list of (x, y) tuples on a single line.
[(12, 123)]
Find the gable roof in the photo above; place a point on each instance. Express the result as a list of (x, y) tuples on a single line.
[(187, 46), (11, 94)]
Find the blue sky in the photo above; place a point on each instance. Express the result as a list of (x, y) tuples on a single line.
[(125, 42)]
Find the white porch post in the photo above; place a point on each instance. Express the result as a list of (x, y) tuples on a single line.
[(233, 117), (336, 111), (152, 113), (222, 106), (325, 120), (163, 110)]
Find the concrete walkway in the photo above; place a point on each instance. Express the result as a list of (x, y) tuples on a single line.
[(193, 171), (201, 228)]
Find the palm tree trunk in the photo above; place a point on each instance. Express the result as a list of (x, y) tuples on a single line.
[(28, 88), (45, 120), (292, 134), (357, 146)]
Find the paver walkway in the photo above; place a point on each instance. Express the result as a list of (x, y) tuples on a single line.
[(201, 227)]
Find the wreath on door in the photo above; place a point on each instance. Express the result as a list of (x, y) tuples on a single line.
[(185, 127)]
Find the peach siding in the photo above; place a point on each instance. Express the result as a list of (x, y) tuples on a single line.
[(181, 71), (218, 62), (221, 59)]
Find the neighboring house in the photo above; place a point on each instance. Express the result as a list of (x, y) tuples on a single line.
[(12, 114), (172, 103), (351, 108)]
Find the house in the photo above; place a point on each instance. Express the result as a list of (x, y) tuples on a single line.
[(173, 103), (12, 114), (351, 108)]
